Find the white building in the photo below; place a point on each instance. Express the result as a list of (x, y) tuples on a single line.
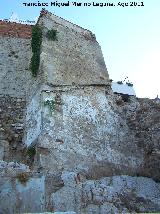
[(126, 88)]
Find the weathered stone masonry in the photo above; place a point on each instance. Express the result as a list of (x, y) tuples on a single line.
[(12, 117), (89, 151)]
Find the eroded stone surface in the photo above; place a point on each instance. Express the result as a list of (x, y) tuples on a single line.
[(142, 116), (108, 195), (98, 134), (12, 126), (20, 190), (74, 58)]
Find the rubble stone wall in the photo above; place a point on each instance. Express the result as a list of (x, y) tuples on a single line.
[(15, 75), (12, 126), (14, 66)]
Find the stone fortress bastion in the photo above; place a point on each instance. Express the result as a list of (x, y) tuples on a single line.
[(67, 142)]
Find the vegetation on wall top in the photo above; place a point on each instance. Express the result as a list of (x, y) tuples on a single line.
[(120, 82), (129, 84), (36, 48)]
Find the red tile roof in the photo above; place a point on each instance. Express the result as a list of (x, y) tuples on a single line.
[(12, 29)]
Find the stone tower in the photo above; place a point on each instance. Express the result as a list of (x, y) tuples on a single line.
[(69, 110)]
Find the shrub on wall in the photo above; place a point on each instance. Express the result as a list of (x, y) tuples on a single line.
[(50, 104), (52, 35), (36, 48), (23, 178), (31, 151)]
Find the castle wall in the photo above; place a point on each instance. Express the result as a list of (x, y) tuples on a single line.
[(16, 81), (15, 57), (12, 125), (33, 121), (17, 87), (85, 138), (83, 132), (75, 58), (94, 133), (15, 76)]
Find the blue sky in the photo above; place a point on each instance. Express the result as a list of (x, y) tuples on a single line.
[(129, 37)]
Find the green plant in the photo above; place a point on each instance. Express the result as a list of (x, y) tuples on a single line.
[(50, 104), (31, 151), (52, 35), (23, 178), (36, 48)]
